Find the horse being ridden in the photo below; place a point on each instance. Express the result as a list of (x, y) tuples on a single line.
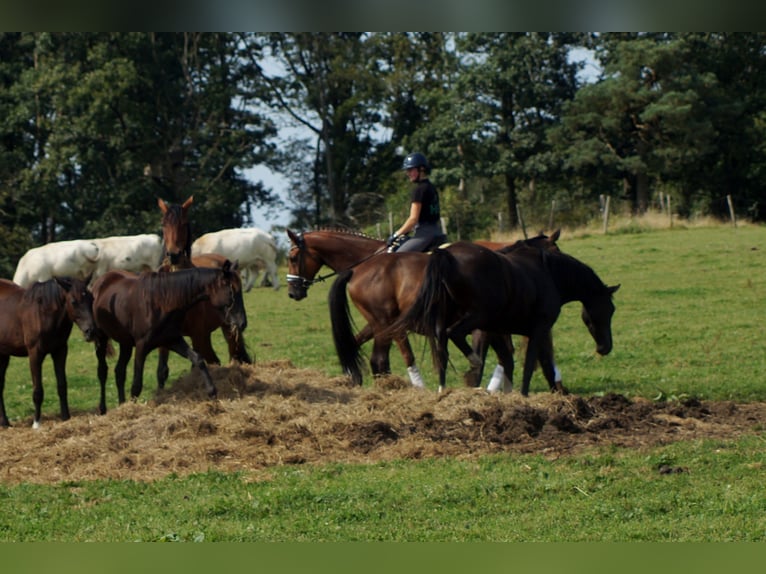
[(469, 287), (342, 251), (148, 311), (204, 319), (36, 321), (380, 285)]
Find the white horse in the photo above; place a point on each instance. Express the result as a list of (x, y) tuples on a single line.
[(252, 247), (134, 253), (76, 258)]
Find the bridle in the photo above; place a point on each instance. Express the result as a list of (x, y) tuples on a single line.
[(301, 281)]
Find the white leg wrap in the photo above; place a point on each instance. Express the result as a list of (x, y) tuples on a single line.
[(415, 378), (556, 374), (35, 424), (497, 379)]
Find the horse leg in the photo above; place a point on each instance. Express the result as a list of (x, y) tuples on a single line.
[(121, 369), (38, 394), (59, 368), (103, 372), (249, 278), (183, 349), (236, 342), (503, 347), (479, 343), (548, 366), (457, 333), (204, 347), (138, 370), (534, 342), (4, 360), (163, 372), (409, 360), (364, 335), (380, 363)]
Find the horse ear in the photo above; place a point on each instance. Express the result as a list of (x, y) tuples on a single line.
[(613, 289), (162, 204), (555, 236), (292, 236), (187, 204), (64, 282)]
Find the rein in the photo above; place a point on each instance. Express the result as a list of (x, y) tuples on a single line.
[(306, 283)]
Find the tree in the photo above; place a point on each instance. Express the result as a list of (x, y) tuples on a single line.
[(329, 84), (99, 125)]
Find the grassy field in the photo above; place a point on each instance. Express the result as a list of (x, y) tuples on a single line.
[(688, 323)]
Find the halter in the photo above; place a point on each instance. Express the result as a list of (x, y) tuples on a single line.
[(301, 281)]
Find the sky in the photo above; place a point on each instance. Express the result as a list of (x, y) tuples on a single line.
[(279, 183)]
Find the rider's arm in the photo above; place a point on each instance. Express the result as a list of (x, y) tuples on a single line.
[(412, 220)]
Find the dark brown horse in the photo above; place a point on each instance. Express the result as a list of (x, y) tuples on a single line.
[(199, 324), (36, 322), (384, 288), (468, 287), (342, 251), (380, 285), (147, 311)]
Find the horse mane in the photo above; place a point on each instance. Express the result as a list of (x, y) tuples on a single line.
[(174, 216), (571, 269), (171, 288), (45, 294), (347, 231)]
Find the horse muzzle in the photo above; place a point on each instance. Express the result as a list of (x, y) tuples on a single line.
[(297, 287), (604, 348)]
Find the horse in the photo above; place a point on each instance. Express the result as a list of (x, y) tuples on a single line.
[(148, 311), (383, 284), (469, 287), (200, 323), (252, 247), (134, 253), (76, 258), (383, 289), (36, 321), (342, 251)]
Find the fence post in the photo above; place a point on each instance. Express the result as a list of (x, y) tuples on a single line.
[(521, 220), (731, 211), (606, 212), (670, 212), (553, 208)]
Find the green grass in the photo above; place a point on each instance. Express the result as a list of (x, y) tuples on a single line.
[(611, 495), (688, 323)]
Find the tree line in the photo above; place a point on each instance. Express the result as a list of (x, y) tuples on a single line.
[(94, 127)]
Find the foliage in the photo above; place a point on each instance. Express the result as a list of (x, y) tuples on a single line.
[(672, 340), (95, 126)]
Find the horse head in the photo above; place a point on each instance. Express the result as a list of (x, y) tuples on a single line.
[(302, 266), (176, 232), (225, 295), (79, 304), (597, 315)]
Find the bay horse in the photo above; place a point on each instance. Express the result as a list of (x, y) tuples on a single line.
[(37, 321), (383, 289), (200, 323), (148, 311), (383, 284), (469, 287)]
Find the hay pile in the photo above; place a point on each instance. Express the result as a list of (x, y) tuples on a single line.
[(275, 414)]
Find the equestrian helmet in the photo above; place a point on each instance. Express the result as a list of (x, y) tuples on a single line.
[(416, 159)]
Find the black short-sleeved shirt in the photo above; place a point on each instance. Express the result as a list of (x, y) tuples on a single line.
[(425, 193)]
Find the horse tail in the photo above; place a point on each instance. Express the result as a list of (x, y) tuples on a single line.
[(342, 328), (428, 314)]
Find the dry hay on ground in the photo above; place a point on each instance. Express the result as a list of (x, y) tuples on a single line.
[(275, 414)]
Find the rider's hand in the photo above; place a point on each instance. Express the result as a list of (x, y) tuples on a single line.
[(391, 239)]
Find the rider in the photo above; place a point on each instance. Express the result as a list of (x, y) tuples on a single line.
[(425, 217)]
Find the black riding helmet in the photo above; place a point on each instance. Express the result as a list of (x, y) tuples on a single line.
[(416, 159)]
